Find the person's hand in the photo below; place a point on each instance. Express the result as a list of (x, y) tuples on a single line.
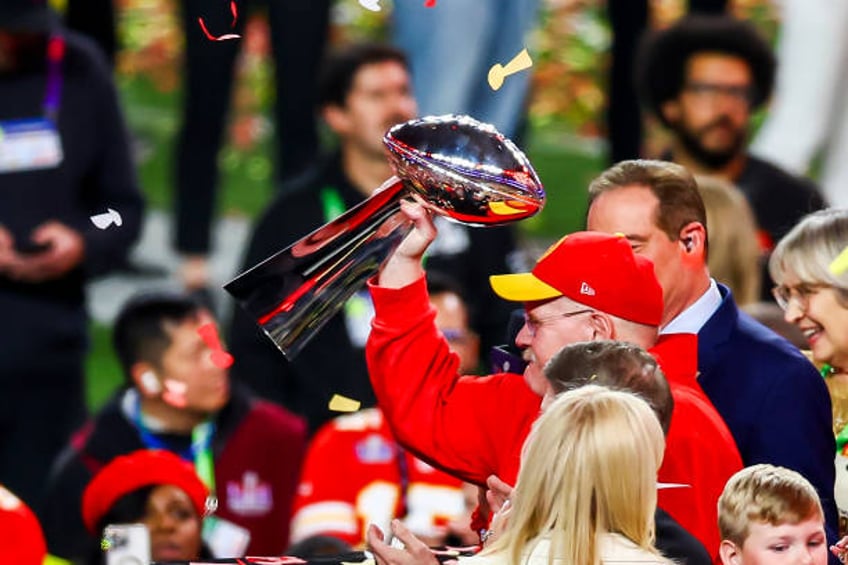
[(404, 265), (499, 522), (414, 552), (840, 549), (498, 492), (65, 250), (7, 249)]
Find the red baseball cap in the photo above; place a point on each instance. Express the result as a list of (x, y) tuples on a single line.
[(141, 468), (23, 540), (595, 269)]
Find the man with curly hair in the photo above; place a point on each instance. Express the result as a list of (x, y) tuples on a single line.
[(702, 78)]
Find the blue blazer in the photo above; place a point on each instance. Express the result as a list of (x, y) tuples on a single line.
[(771, 397)]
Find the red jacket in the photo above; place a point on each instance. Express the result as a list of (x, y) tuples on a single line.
[(699, 448), (474, 427)]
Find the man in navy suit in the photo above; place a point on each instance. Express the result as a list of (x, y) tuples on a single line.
[(771, 397)]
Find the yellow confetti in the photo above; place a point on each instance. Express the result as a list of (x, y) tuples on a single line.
[(499, 72), (341, 403), (840, 264)]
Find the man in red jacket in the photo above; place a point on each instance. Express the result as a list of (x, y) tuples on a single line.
[(588, 286)]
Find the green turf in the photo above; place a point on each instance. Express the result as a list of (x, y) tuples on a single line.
[(103, 373)]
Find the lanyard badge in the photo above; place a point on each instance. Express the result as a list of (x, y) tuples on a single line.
[(29, 144)]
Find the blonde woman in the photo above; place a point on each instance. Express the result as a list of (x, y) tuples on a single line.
[(735, 257), (585, 494)]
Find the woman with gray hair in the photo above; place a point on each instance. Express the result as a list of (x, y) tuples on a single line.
[(814, 297)]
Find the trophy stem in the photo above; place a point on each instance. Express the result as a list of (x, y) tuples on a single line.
[(294, 292)]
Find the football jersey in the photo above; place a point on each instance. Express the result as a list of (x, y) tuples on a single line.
[(355, 474)]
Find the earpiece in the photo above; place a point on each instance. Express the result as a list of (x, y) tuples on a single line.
[(150, 383)]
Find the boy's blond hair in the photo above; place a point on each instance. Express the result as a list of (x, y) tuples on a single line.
[(765, 494)]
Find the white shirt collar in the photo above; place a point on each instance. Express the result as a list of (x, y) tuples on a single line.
[(691, 320)]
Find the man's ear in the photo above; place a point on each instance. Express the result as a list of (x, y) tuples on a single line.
[(670, 110), (730, 553), (146, 380), (602, 326), (336, 117), (693, 239)]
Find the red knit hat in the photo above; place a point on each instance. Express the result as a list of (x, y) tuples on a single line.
[(23, 541), (595, 269), (141, 468)]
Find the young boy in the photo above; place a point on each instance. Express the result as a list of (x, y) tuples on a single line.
[(770, 515)]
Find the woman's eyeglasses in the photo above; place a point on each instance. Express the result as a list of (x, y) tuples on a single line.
[(784, 295)]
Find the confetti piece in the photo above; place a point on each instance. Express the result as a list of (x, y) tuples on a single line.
[(341, 403), (499, 72), (840, 264), (211, 37), (103, 221), (373, 5), (234, 11), (209, 334), (430, 3)]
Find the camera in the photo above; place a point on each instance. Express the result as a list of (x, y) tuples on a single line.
[(126, 544)]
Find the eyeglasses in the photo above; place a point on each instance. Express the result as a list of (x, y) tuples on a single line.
[(784, 295), (533, 324), (712, 91)]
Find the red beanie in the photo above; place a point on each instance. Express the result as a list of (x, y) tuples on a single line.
[(141, 468), (595, 269), (23, 541)]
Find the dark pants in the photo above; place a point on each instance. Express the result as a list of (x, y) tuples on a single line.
[(36, 422), (628, 20), (298, 36)]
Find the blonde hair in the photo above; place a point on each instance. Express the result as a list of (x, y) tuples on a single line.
[(766, 494), (810, 247), (734, 250), (572, 485)]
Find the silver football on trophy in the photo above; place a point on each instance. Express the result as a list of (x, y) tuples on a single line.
[(465, 170)]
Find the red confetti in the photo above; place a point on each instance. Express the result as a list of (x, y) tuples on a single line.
[(234, 10), (430, 3), (209, 334), (211, 37)]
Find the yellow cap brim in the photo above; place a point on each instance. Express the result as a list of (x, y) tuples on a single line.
[(522, 287)]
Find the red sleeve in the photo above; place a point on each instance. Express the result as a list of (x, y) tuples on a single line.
[(471, 427)]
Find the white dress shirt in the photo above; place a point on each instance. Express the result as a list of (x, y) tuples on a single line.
[(691, 320)]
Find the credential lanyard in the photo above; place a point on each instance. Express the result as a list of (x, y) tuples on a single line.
[(199, 453), (53, 93), (332, 203)]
